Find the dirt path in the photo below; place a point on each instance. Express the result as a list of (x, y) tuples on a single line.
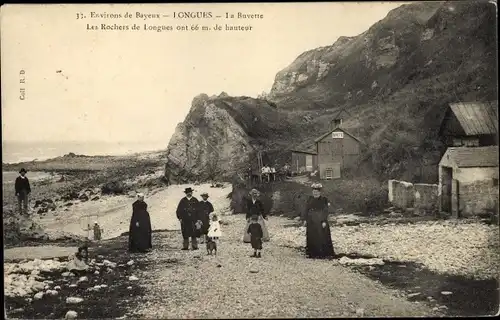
[(280, 284), (41, 252)]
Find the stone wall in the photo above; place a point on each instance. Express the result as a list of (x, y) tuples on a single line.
[(406, 195), (426, 196), (478, 197)]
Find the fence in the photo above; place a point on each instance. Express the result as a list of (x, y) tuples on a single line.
[(421, 196)]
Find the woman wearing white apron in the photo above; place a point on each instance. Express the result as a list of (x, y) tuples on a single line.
[(255, 207)]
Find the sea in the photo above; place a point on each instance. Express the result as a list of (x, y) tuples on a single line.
[(15, 152)]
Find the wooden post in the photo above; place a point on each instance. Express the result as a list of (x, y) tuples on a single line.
[(260, 164), (455, 199)]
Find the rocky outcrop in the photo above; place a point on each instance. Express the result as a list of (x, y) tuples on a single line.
[(208, 141), (392, 53)]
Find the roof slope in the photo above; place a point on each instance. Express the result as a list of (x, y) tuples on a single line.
[(477, 117), (305, 147), (465, 157)]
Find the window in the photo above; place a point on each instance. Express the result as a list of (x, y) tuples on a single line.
[(495, 182)]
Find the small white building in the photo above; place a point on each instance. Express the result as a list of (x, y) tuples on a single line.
[(468, 180)]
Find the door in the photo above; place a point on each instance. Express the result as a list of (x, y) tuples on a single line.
[(446, 186), (333, 172), (309, 163), (336, 171)]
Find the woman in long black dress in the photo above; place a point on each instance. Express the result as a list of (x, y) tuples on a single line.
[(139, 238), (318, 235), (206, 208)]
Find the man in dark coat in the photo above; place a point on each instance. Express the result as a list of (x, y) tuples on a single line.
[(23, 190), (139, 238), (188, 213)]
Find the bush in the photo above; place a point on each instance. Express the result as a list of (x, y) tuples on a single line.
[(113, 187)]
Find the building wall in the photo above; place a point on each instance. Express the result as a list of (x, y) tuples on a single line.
[(476, 191), (300, 158), (451, 125), (469, 175), (345, 151), (478, 197)]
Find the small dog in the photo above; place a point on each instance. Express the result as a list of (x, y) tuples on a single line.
[(211, 246)]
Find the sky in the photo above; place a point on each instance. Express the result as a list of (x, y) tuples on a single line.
[(138, 85)]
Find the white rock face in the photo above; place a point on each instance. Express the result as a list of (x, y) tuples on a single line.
[(191, 146), (74, 300), (34, 266), (133, 278), (131, 262), (20, 285), (427, 34), (51, 292), (38, 296), (109, 264), (71, 315)]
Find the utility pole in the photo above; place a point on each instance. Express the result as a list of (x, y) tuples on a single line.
[(260, 164)]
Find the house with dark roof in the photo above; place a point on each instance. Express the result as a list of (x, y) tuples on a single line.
[(468, 180), (468, 171), (470, 124), (330, 153)]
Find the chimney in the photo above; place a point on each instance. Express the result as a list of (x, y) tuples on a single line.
[(336, 123)]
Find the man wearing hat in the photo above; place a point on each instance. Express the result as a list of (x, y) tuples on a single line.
[(23, 190), (206, 208), (188, 213)]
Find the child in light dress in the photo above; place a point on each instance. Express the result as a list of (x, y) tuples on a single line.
[(214, 232)]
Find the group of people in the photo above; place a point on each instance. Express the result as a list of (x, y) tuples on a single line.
[(200, 223), (268, 173)]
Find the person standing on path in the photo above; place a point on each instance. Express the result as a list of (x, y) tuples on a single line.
[(188, 215), (206, 208), (215, 232), (255, 231), (23, 190), (139, 237), (255, 207), (318, 236)]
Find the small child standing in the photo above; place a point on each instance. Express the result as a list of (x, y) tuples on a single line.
[(256, 234), (214, 232), (97, 231)]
